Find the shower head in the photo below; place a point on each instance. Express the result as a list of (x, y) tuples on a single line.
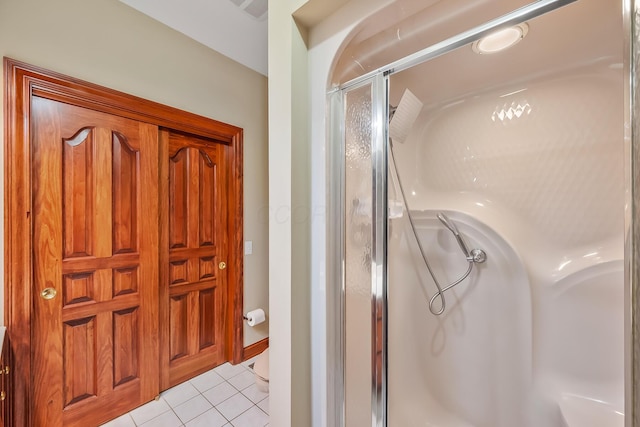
[(452, 227), (447, 223), (403, 116), (392, 112)]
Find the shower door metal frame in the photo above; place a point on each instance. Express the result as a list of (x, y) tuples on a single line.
[(379, 158), (631, 22), (336, 252), (335, 255), (335, 200)]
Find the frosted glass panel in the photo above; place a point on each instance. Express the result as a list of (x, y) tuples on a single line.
[(358, 240)]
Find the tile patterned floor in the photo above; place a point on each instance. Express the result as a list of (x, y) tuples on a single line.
[(226, 396)]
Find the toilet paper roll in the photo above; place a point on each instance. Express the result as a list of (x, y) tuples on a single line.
[(255, 317)]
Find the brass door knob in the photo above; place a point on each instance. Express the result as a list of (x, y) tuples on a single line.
[(222, 265), (48, 293)]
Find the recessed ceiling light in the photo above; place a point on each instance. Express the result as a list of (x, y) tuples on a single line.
[(501, 39)]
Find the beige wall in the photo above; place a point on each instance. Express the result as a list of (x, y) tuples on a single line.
[(108, 43), (301, 238), (289, 224)]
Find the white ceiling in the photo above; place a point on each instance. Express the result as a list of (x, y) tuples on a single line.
[(226, 26)]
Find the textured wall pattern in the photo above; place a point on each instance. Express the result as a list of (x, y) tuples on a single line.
[(552, 154), (542, 166)]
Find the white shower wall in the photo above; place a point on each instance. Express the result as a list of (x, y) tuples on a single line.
[(550, 154), (539, 166)]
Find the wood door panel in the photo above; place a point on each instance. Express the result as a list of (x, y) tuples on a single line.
[(94, 179), (208, 311), (207, 268), (196, 226), (178, 307), (84, 266), (78, 206), (178, 271), (125, 281), (207, 206), (125, 180), (186, 368), (77, 288), (178, 200), (125, 345), (80, 364)]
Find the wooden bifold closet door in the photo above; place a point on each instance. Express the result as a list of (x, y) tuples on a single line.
[(123, 237)]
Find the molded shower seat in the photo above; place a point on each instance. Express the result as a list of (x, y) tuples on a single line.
[(581, 343), (583, 412)]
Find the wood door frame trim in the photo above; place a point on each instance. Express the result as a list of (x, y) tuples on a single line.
[(23, 81), (256, 348)]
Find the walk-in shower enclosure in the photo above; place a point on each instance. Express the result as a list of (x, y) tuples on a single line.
[(528, 154)]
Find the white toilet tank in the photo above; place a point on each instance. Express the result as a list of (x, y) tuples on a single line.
[(261, 371)]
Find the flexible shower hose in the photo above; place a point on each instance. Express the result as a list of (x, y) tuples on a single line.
[(441, 290)]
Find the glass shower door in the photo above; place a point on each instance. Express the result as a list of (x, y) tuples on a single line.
[(363, 133), (527, 153)]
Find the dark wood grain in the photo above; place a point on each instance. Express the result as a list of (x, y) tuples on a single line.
[(234, 329), (255, 349), (6, 383), (94, 340), (24, 82), (197, 187)]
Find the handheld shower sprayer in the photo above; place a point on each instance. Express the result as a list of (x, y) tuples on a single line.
[(473, 255), (401, 120), (452, 227)]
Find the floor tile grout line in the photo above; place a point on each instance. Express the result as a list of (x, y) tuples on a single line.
[(208, 409), (229, 421), (185, 423), (160, 414), (201, 393), (247, 410), (182, 424), (237, 391), (249, 386)]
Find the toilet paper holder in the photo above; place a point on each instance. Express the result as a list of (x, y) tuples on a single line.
[(254, 317)]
